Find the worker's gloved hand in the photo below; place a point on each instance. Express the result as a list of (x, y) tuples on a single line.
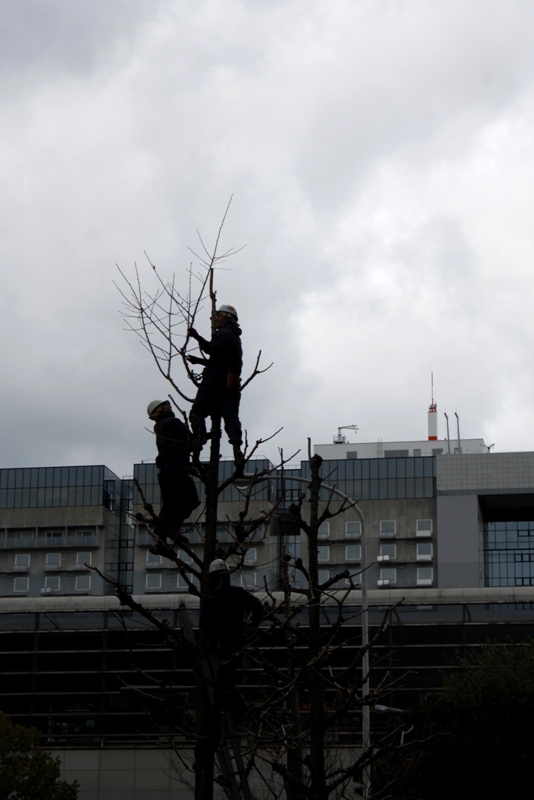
[(192, 333), (195, 360)]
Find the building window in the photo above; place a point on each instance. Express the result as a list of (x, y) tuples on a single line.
[(52, 583), (323, 575), (143, 536), (388, 552), (425, 576), (181, 582), (183, 556), (153, 560), (53, 560), (24, 539), (83, 583), (83, 558), (248, 579), (250, 556), (21, 584), (353, 529), (22, 561), (324, 530), (353, 552), (323, 553), (54, 538), (424, 527), (85, 537), (153, 581), (509, 553), (224, 535), (388, 576), (290, 546), (424, 551), (355, 578), (387, 528)]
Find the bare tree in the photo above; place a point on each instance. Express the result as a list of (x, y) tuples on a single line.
[(308, 697), (296, 746), (162, 320)]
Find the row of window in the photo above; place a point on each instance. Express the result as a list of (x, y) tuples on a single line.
[(153, 560), (52, 583), (353, 530), (154, 581), (52, 538), (388, 552), (52, 560), (388, 528), (388, 577)]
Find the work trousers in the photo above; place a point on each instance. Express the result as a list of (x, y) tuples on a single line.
[(179, 497), (214, 400)]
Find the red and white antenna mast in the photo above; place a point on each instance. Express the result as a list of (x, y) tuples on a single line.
[(432, 414)]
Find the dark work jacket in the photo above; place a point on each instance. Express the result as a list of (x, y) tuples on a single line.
[(171, 440), (226, 612), (225, 353)]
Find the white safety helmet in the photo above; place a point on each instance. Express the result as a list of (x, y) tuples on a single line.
[(153, 405), (227, 310), (218, 566)]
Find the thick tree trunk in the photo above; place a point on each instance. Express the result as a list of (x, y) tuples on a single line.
[(208, 733)]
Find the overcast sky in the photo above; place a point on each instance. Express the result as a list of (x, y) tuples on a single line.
[(380, 154)]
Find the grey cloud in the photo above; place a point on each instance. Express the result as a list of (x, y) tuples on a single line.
[(47, 39), (355, 138)]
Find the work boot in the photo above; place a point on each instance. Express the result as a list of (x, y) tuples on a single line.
[(239, 459)]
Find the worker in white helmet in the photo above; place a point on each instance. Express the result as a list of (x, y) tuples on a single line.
[(178, 491), (220, 389), (228, 610)]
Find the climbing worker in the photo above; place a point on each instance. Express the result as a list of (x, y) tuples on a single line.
[(228, 611), (220, 390), (179, 496)]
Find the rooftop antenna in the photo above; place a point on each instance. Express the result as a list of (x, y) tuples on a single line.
[(341, 438), (448, 437), (458, 427), (432, 414)]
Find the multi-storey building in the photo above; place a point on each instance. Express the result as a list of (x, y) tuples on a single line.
[(55, 523), (449, 529), (447, 520), (253, 566)]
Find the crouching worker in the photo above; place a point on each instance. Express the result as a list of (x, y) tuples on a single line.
[(179, 496), (229, 609)]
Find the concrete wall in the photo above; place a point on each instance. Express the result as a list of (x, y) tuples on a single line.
[(460, 557), (485, 474)]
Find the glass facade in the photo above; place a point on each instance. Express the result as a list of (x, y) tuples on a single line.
[(509, 553), (54, 487), (72, 674), (380, 478), (147, 477)]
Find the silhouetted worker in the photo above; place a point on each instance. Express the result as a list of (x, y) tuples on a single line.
[(178, 491), (229, 609), (220, 390)]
